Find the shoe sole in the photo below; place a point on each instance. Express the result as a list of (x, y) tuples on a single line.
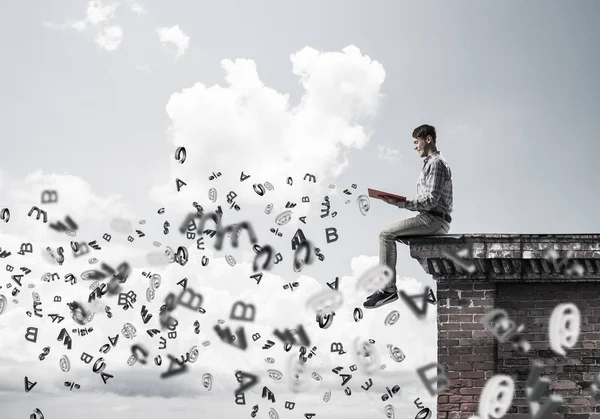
[(382, 303)]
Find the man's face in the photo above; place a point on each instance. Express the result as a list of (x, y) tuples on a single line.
[(420, 146)]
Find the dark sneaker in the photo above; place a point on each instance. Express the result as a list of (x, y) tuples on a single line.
[(380, 298)]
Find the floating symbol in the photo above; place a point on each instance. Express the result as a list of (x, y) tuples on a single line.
[(327, 301), (64, 363), (71, 385), (374, 278), (390, 393), (275, 374), (193, 354), (230, 260), (155, 281), (268, 209), (150, 294), (284, 217), (212, 194), (46, 351), (496, 397), (276, 232), (392, 318), (37, 414), (214, 175), (303, 351), (291, 286), (197, 327), (462, 258), (207, 381), (396, 353), (364, 205), (128, 331), (564, 327), (389, 412)]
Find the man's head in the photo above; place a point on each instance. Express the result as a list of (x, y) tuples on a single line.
[(424, 140)]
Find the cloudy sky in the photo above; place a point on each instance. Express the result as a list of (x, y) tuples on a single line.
[(97, 97)]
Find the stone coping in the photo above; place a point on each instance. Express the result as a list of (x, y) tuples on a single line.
[(508, 257)]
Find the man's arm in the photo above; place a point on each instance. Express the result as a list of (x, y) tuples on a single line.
[(432, 192)]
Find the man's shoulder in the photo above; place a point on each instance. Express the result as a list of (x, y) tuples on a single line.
[(439, 159)]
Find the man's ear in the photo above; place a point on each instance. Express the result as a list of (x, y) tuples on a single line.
[(429, 139)]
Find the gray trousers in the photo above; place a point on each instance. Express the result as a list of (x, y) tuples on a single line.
[(423, 224)]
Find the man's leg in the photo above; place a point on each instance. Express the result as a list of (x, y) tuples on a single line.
[(420, 225)]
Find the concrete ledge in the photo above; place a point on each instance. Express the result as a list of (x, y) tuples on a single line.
[(508, 257)]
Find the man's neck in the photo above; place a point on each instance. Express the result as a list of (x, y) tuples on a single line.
[(431, 152)]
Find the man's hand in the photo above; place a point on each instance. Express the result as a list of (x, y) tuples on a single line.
[(394, 201)]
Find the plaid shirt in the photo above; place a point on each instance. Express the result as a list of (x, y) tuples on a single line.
[(434, 187)]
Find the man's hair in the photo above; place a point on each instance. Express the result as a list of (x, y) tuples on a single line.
[(424, 131)]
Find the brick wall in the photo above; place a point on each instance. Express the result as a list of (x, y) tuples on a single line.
[(471, 355), (464, 347)]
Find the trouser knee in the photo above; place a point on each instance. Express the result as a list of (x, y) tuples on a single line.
[(385, 236)]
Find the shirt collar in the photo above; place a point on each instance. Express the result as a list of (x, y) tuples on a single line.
[(435, 153)]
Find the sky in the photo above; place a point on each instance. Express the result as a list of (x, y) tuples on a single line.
[(97, 97)]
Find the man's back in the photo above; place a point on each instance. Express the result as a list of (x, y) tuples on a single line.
[(434, 180)]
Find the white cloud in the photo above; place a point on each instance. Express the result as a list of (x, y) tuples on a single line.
[(242, 126), (110, 38), (145, 68), (386, 153), (248, 126), (75, 199), (137, 8), (220, 285), (79, 25), (174, 36), (98, 15)]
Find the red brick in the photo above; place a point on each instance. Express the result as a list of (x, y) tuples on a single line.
[(448, 407), (476, 358), (471, 390), (473, 357), (468, 407), (448, 343), (472, 374), (460, 318), (474, 310), (483, 302), (484, 286), (471, 326), (472, 294), (459, 334)]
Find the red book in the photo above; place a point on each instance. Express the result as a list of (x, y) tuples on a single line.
[(374, 193)]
